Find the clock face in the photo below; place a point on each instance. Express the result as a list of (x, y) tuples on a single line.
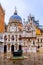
[(13, 28)]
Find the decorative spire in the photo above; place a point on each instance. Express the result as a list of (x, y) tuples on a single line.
[(15, 13), (30, 15), (23, 19)]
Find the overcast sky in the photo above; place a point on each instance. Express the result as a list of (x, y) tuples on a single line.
[(24, 7)]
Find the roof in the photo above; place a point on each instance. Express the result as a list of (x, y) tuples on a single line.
[(16, 17)]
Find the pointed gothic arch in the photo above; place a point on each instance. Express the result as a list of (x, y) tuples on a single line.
[(12, 48), (5, 48)]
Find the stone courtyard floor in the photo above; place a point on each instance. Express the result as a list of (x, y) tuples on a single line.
[(33, 59)]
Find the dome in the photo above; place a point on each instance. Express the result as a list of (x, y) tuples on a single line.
[(16, 17)]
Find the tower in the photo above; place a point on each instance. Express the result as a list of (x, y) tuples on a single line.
[(2, 14)]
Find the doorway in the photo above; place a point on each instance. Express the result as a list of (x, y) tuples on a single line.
[(5, 48), (12, 48)]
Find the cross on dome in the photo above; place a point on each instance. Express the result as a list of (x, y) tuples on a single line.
[(15, 13)]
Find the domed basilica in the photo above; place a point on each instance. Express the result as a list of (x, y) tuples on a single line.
[(28, 34)]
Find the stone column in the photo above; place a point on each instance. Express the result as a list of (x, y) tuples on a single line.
[(8, 48)]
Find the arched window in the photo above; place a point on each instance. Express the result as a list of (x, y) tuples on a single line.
[(41, 40), (12, 37), (19, 37), (5, 37), (33, 43), (38, 40)]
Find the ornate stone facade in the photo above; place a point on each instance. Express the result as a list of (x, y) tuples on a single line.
[(28, 34)]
